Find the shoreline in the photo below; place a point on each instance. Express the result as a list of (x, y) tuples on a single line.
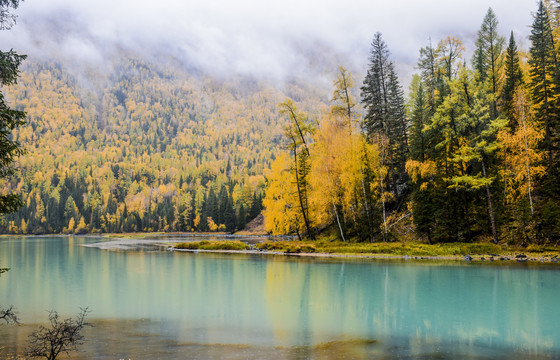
[(133, 242), (476, 259)]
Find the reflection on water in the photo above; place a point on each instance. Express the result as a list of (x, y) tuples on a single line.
[(169, 305)]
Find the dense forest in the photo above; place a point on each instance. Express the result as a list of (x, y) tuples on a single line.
[(146, 147), (471, 155)]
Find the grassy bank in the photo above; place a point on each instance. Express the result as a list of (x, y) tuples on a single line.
[(410, 249), (213, 245), (477, 251)]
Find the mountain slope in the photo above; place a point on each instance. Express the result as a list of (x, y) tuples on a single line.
[(143, 147)]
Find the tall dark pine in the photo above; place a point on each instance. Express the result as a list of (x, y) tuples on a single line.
[(398, 122), (374, 90), (422, 198), (383, 99), (9, 118), (489, 46), (513, 79), (431, 76), (543, 73)]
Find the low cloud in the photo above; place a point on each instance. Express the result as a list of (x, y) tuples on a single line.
[(260, 38)]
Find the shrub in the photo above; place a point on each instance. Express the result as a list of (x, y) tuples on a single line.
[(213, 245)]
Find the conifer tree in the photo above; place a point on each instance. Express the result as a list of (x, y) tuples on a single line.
[(513, 80), (383, 100), (10, 119), (489, 46), (419, 112), (544, 77), (430, 73)]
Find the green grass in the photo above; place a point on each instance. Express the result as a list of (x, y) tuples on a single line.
[(213, 245), (293, 247), (410, 248), (403, 248)]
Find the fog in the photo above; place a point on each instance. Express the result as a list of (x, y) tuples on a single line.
[(260, 38)]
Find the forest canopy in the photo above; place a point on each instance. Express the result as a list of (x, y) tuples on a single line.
[(468, 153)]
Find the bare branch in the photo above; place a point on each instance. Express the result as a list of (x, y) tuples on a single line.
[(9, 315), (62, 336)]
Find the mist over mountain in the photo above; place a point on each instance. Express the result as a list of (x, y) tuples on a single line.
[(264, 40), (158, 116)]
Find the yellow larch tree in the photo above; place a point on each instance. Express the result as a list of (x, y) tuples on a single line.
[(281, 209), (523, 164)]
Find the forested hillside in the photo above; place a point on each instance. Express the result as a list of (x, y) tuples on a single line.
[(147, 143), (471, 155), (145, 147)]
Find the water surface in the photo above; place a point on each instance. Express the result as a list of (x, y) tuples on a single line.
[(154, 303)]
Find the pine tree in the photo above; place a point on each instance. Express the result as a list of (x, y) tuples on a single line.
[(431, 75), (374, 89), (544, 86), (383, 99), (513, 80), (241, 217), (399, 126), (229, 215), (419, 113), (543, 78), (10, 119), (486, 60)]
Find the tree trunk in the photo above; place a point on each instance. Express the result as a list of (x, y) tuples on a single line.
[(338, 220), (527, 163), (300, 195), (370, 225), (334, 207), (490, 208)]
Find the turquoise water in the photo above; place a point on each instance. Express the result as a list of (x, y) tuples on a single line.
[(159, 304)]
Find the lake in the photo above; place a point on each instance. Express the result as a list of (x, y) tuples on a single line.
[(151, 303)]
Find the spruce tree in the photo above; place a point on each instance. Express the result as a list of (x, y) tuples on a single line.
[(374, 89), (383, 99), (229, 215), (486, 60), (544, 87), (431, 76), (419, 113), (10, 119), (543, 79), (513, 79)]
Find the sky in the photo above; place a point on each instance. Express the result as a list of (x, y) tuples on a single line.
[(262, 38)]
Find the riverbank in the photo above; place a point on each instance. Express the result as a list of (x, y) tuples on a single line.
[(484, 252), (326, 248)]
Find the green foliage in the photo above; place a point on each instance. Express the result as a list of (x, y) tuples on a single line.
[(214, 245), (287, 247), (10, 119), (140, 149), (383, 99), (513, 80)]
